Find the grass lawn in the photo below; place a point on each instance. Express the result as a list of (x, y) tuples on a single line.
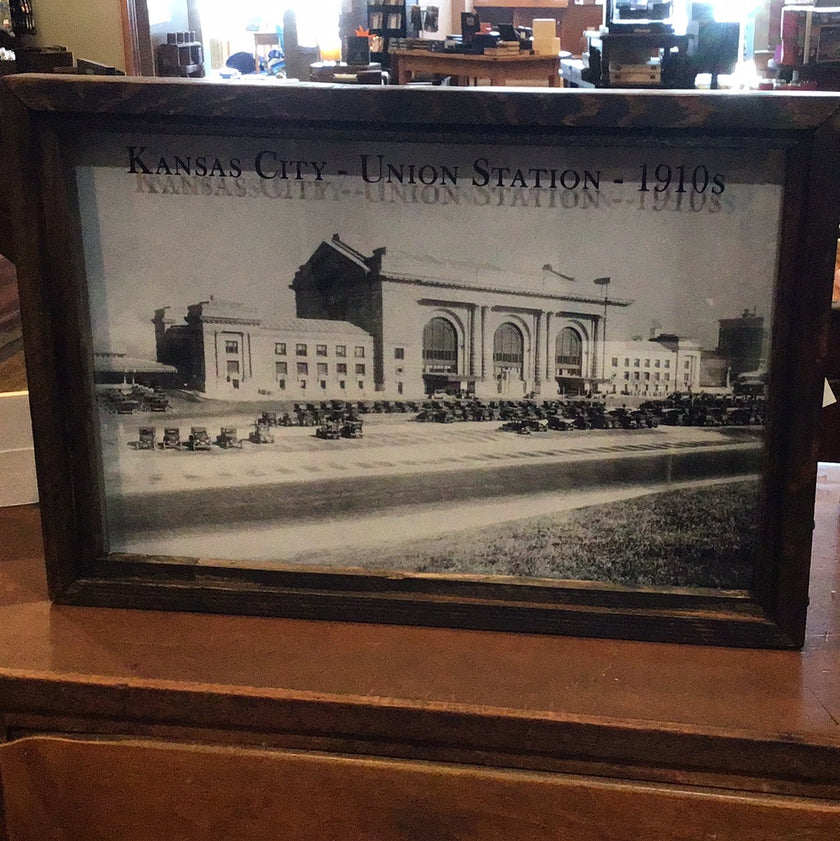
[(702, 537)]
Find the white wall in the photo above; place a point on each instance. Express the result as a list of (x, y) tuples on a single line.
[(17, 458), (91, 29)]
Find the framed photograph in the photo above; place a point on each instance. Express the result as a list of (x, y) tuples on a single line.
[(524, 360)]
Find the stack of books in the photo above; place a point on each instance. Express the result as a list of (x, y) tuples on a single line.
[(422, 44), (503, 48), (649, 73)]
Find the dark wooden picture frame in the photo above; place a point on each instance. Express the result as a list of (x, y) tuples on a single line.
[(45, 123)]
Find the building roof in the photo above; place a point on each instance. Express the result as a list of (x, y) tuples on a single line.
[(221, 310), (402, 264), (680, 341), (397, 266), (118, 363), (232, 312), (313, 325), (532, 282), (350, 253)]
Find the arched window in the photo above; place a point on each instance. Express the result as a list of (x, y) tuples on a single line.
[(440, 347), (508, 350), (569, 352)]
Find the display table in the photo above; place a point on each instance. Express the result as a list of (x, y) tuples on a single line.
[(340, 72), (290, 729), (406, 64)]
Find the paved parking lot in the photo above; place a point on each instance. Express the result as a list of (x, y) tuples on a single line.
[(392, 445)]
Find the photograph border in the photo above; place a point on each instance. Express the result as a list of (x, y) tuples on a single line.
[(41, 116)]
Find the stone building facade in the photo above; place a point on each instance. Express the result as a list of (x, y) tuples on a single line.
[(435, 330), (229, 352), (654, 367), (387, 326)]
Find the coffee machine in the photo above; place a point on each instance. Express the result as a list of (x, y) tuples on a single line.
[(639, 16)]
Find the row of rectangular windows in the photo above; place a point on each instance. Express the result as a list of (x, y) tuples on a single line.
[(282, 368), (302, 349), (281, 384), (637, 376), (636, 363)]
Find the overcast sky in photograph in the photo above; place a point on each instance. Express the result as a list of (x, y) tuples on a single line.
[(685, 266)]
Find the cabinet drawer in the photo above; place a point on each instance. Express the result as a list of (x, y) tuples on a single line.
[(141, 790)]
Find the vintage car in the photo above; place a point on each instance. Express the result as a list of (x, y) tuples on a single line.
[(171, 438), (624, 419), (146, 439), (673, 417), (581, 421), (742, 416), (645, 420), (520, 426), (227, 438), (157, 402), (199, 439), (261, 434), (560, 423), (352, 428), (125, 405), (329, 430)]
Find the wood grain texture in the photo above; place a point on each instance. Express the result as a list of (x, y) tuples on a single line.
[(752, 113), (146, 790), (761, 721), (807, 317), (39, 311), (137, 42)]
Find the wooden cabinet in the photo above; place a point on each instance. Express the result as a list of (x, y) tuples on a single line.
[(147, 790), (196, 726)]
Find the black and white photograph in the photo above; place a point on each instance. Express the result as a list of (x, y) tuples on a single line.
[(457, 360)]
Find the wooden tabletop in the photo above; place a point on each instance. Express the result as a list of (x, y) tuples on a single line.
[(463, 66), (477, 58), (531, 701)]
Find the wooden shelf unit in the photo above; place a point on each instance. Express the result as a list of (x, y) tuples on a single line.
[(411, 727)]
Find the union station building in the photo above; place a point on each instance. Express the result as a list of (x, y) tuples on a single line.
[(390, 326)]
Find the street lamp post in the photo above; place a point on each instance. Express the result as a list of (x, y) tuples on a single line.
[(551, 270), (605, 282)]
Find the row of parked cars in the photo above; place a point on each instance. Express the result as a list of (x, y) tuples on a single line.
[(709, 410), (532, 416), (337, 426), (198, 439), (137, 398), (343, 419), (319, 412)]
